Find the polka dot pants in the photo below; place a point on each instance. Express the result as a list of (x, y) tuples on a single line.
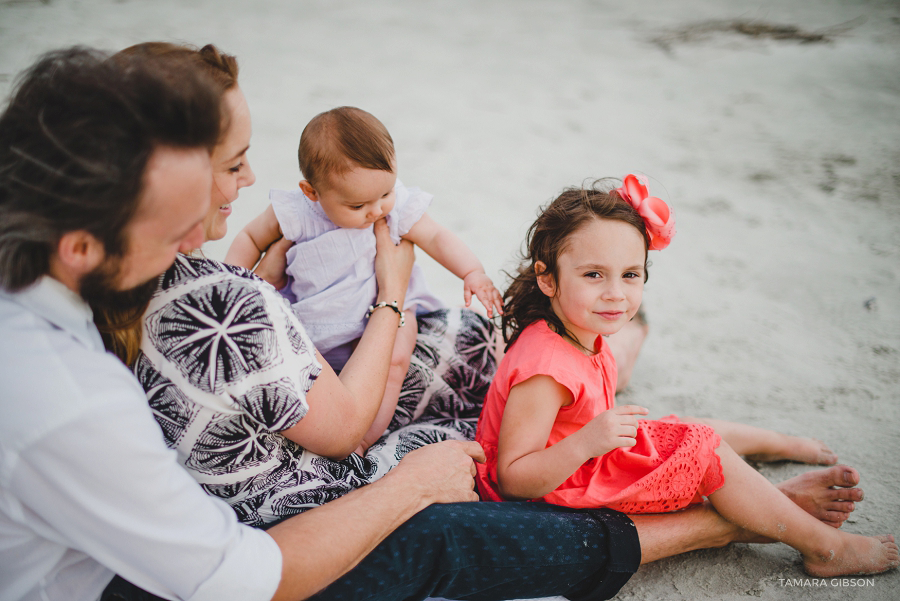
[(492, 551)]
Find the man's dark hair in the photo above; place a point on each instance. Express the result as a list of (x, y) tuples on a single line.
[(75, 139)]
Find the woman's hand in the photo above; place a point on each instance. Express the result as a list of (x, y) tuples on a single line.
[(393, 265), (343, 408)]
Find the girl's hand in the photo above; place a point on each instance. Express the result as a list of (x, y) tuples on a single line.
[(613, 429), (393, 264), (480, 285)]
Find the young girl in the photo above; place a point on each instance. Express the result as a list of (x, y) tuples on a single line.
[(347, 158), (550, 427)]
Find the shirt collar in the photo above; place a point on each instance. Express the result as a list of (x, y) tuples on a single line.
[(51, 300)]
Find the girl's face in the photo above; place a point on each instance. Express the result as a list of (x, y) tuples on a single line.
[(231, 171), (600, 279)]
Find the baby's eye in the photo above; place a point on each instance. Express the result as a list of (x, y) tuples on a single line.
[(356, 207), (386, 194)]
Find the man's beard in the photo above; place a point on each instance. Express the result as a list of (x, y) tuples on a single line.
[(98, 288)]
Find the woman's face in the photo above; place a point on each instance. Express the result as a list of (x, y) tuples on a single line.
[(231, 171)]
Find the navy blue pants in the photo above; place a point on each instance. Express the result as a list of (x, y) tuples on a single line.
[(491, 551), (488, 552)]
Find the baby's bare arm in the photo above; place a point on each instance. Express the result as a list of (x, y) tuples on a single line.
[(252, 241), (446, 248)]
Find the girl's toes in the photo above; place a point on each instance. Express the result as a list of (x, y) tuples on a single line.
[(823, 455), (827, 458), (835, 519), (845, 494), (846, 507)]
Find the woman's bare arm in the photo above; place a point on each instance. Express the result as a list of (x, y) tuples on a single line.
[(341, 409)]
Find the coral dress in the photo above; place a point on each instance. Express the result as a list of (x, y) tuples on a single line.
[(672, 465)]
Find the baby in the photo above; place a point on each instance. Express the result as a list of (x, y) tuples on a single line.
[(347, 159)]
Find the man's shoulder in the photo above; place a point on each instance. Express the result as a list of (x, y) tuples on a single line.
[(48, 376)]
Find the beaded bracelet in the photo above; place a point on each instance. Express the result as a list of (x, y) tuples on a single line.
[(391, 305)]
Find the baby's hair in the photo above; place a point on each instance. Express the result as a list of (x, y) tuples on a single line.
[(336, 141), (547, 239)]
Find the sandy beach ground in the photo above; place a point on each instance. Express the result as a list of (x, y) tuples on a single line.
[(772, 128)]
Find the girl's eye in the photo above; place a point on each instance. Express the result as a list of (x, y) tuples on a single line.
[(631, 275), (592, 275)]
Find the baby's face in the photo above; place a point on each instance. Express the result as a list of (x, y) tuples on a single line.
[(358, 198)]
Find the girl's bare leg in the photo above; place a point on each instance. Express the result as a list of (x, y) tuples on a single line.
[(759, 444), (701, 527), (751, 502)]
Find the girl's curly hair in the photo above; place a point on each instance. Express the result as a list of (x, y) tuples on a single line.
[(547, 239)]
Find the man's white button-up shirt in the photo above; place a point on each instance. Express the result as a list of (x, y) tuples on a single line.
[(88, 488)]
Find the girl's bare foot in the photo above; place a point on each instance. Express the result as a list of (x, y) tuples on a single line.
[(800, 449), (827, 495), (815, 493), (855, 554)]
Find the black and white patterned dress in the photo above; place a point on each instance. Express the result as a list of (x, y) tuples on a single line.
[(226, 366)]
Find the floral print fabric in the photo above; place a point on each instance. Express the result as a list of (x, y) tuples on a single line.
[(226, 366)]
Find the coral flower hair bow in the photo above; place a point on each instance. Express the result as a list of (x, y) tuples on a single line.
[(658, 217)]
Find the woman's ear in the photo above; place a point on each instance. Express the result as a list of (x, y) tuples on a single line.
[(545, 280), (308, 190)]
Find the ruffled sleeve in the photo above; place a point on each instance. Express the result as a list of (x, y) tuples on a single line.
[(409, 206), (540, 351), (288, 206)]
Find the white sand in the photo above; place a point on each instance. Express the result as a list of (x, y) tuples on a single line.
[(778, 302)]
